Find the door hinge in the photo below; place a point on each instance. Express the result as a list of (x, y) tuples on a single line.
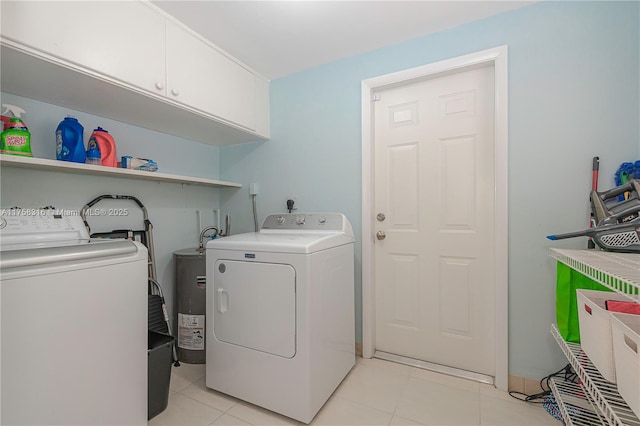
[(376, 97)]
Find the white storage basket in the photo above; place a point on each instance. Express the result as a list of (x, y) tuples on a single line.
[(626, 342), (595, 329)]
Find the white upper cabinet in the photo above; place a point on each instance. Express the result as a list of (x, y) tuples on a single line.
[(225, 88), (122, 40), (149, 69)]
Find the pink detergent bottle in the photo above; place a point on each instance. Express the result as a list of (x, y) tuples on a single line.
[(107, 146)]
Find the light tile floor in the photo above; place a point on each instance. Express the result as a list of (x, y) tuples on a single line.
[(375, 392)]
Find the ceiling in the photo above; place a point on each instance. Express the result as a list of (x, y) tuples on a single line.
[(277, 38)]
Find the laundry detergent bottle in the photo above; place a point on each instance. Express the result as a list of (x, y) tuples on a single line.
[(16, 140), (10, 111), (106, 145), (69, 141)]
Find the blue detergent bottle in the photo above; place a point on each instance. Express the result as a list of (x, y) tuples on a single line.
[(69, 141)]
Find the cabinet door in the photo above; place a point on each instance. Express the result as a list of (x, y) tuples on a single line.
[(262, 107), (123, 40), (201, 77)]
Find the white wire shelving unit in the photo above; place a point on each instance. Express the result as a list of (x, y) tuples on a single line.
[(594, 388), (595, 401), (575, 404), (618, 271)]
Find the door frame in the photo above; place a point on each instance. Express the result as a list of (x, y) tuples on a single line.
[(498, 57)]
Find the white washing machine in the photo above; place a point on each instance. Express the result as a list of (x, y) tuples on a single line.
[(74, 323), (280, 326)]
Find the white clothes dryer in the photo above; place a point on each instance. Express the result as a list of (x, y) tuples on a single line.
[(280, 325)]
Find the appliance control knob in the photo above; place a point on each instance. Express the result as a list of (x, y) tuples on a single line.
[(300, 220), (280, 220), (322, 219)]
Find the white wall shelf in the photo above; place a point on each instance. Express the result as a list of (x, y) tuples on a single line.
[(621, 273), (70, 167)]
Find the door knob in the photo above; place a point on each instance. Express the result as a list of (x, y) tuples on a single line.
[(380, 235)]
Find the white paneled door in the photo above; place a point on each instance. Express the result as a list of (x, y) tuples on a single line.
[(434, 193)]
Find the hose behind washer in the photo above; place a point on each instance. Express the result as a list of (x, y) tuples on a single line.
[(255, 213)]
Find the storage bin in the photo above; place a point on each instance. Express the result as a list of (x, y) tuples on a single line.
[(160, 359), (595, 329), (626, 341)]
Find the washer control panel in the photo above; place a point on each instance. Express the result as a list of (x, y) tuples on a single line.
[(23, 226), (306, 221)]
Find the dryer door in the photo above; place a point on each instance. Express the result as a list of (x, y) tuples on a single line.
[(255, 306)]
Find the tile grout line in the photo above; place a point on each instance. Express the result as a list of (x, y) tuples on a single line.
[(237, 418), (207, 405)]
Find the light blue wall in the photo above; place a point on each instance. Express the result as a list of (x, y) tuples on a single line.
[(573, 94)]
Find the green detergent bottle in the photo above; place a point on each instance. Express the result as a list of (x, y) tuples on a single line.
[(16, 140)]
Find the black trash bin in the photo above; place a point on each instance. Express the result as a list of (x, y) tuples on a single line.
[(159, 363)]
